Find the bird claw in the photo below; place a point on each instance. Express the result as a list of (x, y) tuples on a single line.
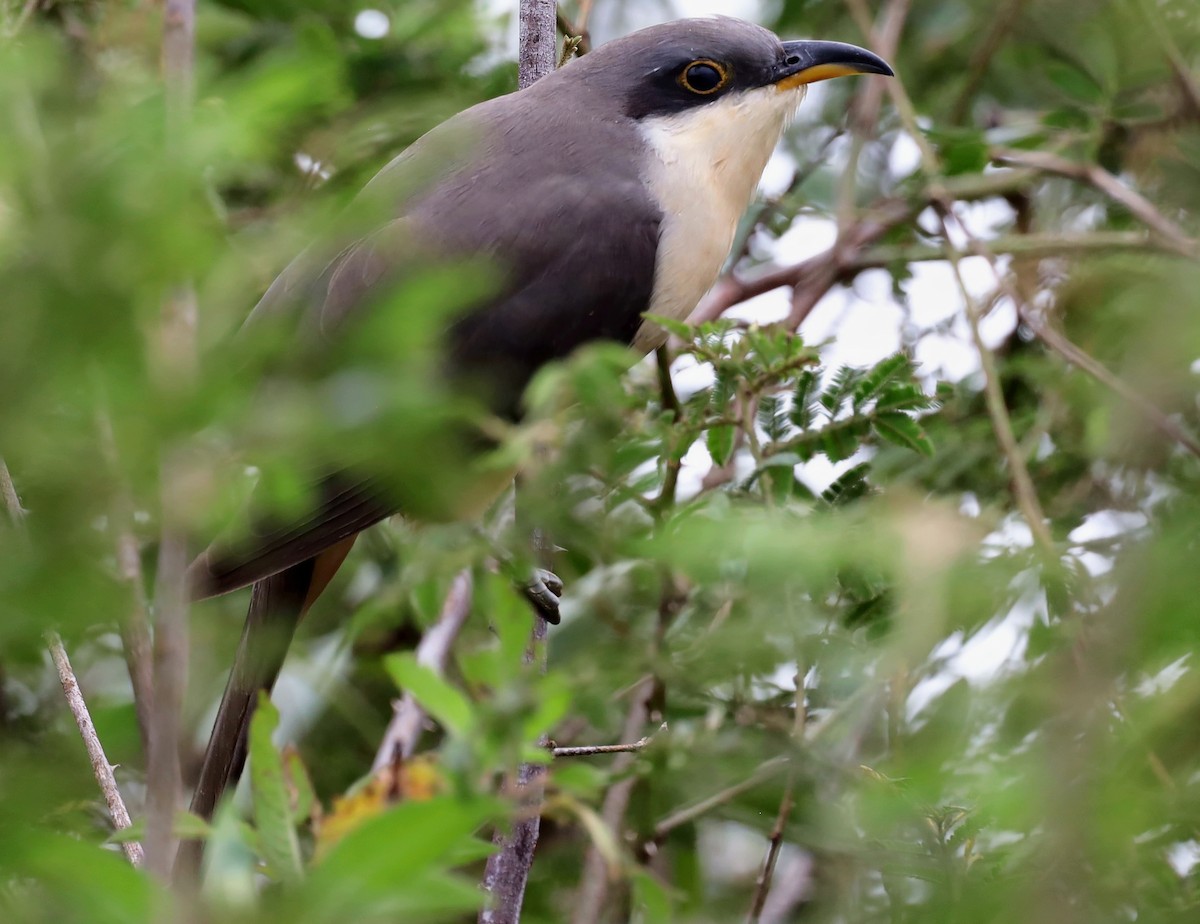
[(544, 591)]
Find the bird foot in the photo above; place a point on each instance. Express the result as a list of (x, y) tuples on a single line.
[(544, 591)]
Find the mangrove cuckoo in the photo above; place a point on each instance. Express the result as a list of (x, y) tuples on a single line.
[(608, 190)]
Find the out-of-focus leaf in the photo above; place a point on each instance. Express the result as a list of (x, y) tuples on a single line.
[(440, 699), (273, 815)]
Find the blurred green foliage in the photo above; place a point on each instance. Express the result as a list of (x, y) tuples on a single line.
[(818, 570)]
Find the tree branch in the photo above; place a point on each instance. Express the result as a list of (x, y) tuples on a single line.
[(433, 652), (12, 500), (689, 814), (594, 884), (1136, 204), (592, 750), (87, 730), (507, 871)]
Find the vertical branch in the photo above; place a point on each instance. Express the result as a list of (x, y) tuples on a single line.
[(1022, 483), (135, 627), (762, 887), (594, 885), (174, 359), (507, 871), (100, 765), (538, 29)]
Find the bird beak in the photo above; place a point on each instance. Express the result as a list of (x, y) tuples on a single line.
[(808, 62)]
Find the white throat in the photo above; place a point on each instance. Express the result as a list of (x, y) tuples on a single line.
[(703, 170)]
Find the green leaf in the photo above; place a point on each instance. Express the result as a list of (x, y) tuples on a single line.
[(961, 150), (772, 416), (720, 442), (844, 381), (272, 806), (840, 440), (801, 413), (896, 366), (439, 698), (903, 431), (680, 329), (651, 899), (398, 860), (1073, 81), (849, 486)]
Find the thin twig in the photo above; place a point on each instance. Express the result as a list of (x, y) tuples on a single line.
[(1133, 202), (1002, 23), (775, 841), (1179, 65), (884, 42), (775, 844), (594, 884), (1023, 488), (1018, 245), (1054, 339), (87, 730), (592, 750), (22, 17), (12, 500), (1058, 342), (690, 813), (433, 652), (732, 290)]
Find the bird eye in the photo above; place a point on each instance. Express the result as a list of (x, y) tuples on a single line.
[(704, 77)]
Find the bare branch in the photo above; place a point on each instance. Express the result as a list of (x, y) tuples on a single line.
[(507, 871), (1023, 489), (537, 33), (775, 844), (1136, 204), (174, 360), (12, 500), (689, 814), (1002, 23), (163, 775), (87, 730), (433, 652), (594, 884), (1022, 245), (1058, 342), (592, 750)]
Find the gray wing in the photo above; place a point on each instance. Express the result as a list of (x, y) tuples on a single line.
[(578, 263)]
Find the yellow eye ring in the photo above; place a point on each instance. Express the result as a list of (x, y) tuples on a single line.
[(704, 77)]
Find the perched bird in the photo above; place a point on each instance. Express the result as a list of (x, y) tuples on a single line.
[(607, 190)]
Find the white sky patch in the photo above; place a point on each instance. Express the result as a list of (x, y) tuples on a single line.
[(372, 24), (311, 167), (1166, 678), (1183, 856), (995, 649), (905, 157)]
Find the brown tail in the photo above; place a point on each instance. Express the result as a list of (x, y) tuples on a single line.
[(277, 604)]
